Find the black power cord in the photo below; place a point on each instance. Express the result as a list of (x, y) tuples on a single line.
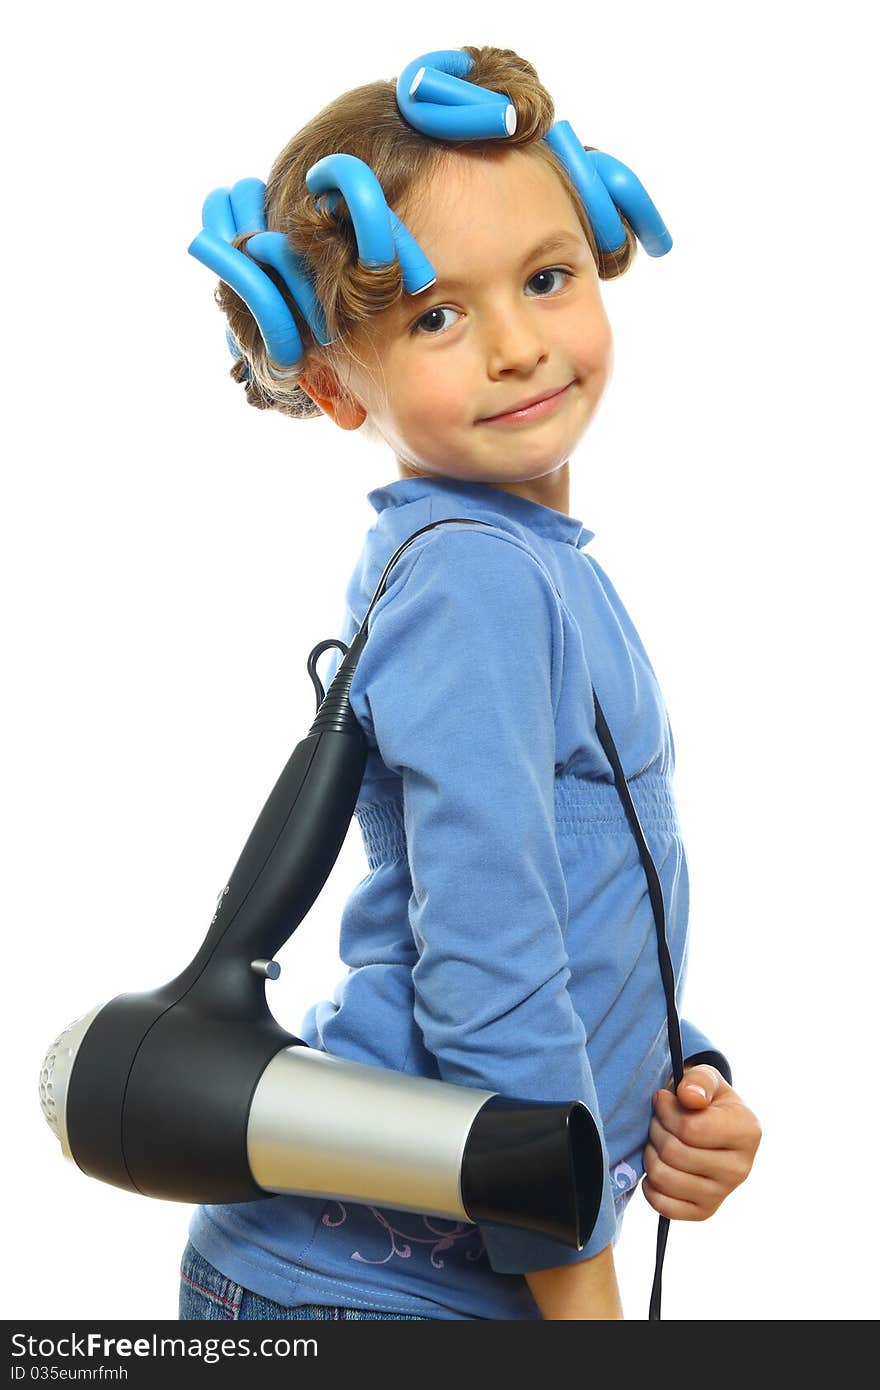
[(667, 973)]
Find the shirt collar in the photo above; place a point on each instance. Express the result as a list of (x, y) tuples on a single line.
[(464, 495)]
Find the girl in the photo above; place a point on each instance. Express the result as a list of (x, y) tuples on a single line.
[(503, 937)]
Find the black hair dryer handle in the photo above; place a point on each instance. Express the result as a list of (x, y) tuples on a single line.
[(286, 860)]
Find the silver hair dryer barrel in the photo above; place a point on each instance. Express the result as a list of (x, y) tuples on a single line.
[(193, 1092)]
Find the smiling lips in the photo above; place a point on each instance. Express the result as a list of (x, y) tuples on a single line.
[(528, 410)]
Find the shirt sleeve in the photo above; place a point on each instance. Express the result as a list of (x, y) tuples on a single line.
[(458, 684), (696, 1047)]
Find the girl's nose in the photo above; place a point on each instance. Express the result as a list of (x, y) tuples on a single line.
[(515, 340)]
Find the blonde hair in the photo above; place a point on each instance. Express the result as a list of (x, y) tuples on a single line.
[(367, 123)]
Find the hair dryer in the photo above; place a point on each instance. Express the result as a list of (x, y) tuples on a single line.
[(193, 1092)]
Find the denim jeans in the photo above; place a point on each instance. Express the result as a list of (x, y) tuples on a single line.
[(205, 1293)]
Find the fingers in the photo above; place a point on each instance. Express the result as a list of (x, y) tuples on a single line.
[(670, 1206), (722, 1125), (700, 1085), (705, 1079), (680, 1195), (702, 1075), (725, 1166), (701, 1144), (705, 1192)]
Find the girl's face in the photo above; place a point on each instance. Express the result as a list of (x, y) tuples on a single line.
[(515, 314)]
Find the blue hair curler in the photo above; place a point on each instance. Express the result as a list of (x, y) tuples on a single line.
[(273, 248), (435, 99), (227, 213), (380, 233), (236, 351), (594, 175)]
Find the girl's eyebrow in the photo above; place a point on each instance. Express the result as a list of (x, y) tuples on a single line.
[(558, 241)]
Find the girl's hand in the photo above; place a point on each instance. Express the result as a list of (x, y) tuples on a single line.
[(702, 1143)]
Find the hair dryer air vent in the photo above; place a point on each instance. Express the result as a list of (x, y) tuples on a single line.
[(55, 1072)]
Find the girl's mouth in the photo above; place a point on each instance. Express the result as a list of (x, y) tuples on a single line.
[(531, 412)]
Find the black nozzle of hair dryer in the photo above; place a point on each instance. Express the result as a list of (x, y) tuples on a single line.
[(538, 1166), (193, 1092)]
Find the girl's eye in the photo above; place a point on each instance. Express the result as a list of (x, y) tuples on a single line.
[(431, 322), (543, 274)]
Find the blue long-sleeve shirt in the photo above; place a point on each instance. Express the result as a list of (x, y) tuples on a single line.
[(503, 937)]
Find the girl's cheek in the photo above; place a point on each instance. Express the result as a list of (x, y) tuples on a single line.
[(438, 404)]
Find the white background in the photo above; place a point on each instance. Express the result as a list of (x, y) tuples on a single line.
[(171, 556)]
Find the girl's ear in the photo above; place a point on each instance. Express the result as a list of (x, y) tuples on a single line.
[(324, 387)]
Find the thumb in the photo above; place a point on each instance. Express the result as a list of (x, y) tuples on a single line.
[(699, 1086)]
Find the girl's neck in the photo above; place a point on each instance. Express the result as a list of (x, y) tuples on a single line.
[(551, 490)]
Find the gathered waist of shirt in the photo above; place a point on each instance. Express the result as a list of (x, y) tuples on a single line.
[(583, 807)]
